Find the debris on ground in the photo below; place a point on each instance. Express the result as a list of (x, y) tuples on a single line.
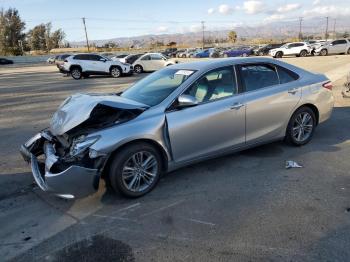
[(346, 89), (292, 164)]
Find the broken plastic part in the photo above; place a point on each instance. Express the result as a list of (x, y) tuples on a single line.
[(292, 164)]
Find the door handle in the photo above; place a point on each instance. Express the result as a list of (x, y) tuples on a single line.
[(293, 91), (236, 106)]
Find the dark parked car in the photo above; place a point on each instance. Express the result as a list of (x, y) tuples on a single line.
[(130, 59), (168, 51), (59, 60), (4, 61), (265, 50), (240, 51)]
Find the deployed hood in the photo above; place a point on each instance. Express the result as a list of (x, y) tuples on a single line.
[(77, 109)]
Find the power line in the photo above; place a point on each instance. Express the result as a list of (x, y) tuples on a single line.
[(326, 34), (86, 36), (202, 22), (300, 23)]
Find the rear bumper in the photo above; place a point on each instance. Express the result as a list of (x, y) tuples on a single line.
[(74, 181)]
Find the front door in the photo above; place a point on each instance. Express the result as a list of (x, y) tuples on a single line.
[(217, 123)]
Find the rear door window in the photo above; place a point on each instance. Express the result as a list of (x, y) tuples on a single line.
[(285, 75), (257, 76)]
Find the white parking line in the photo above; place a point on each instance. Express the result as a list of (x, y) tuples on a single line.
[(162, 208), (200, 221)]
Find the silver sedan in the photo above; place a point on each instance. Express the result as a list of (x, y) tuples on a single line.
[(174, 117)]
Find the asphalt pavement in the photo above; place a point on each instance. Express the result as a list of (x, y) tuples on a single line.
[(241, 207)]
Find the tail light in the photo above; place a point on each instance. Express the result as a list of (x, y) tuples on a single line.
[(328, 85)]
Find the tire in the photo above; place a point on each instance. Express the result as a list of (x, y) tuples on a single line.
[(279, 54), (138, 69), (323, 52), (301, 127), (76, 73), (132, 183), (303, 53), (115, 72), (348, 52)]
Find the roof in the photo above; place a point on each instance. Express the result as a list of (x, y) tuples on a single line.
[(205, 65)]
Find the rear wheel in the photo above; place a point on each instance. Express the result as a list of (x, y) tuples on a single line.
[(348, 52), (115, 72), (76, 73), (138, 69), (135, 170), (324, 52), (301, 127), (278, 55), (303, 53)]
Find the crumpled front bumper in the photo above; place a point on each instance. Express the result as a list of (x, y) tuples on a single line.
[(75, 181)]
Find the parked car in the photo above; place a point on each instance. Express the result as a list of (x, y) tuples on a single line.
[(204, 53), (193, 52), (174, 54), (4, 61), (130, 59), (118, 57), (59, 61), (341, 46), (84, 65), (168, 51), (51, 60), (265, 49), (240, 51), (151, 62), (291, 49), (172, 118)]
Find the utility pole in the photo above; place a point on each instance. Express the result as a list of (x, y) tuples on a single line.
[(300, 33), (86, 36), (334, 34), (202, 22), (326, 35)]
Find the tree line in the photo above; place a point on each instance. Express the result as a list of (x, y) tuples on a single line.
[(14, 41)]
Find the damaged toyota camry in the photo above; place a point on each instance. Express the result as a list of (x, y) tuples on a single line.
[(174, 117)]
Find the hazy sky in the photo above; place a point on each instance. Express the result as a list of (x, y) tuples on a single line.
[(107, 19)]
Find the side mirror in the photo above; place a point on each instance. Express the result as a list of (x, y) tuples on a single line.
[(187, 101)]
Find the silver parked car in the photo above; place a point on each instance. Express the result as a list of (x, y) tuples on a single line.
[(176, 116)]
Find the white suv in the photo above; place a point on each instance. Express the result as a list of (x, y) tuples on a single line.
[(341, 46), (83, 65), (297, 49)]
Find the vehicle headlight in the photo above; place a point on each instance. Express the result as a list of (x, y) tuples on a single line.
[(82, 143)]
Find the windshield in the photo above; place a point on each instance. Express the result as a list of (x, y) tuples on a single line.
[(154, 88)]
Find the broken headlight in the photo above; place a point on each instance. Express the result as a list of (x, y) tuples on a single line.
[(82, 143)]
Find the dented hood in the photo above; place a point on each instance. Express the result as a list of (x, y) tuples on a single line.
[(77, 108)]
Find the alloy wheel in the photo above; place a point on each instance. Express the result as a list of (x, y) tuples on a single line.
[(302, 127), (139, 171), (115, 72), (76, 74)]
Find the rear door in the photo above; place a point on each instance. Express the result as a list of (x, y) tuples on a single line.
[(217, 123), (157, 61), (270, 96)]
